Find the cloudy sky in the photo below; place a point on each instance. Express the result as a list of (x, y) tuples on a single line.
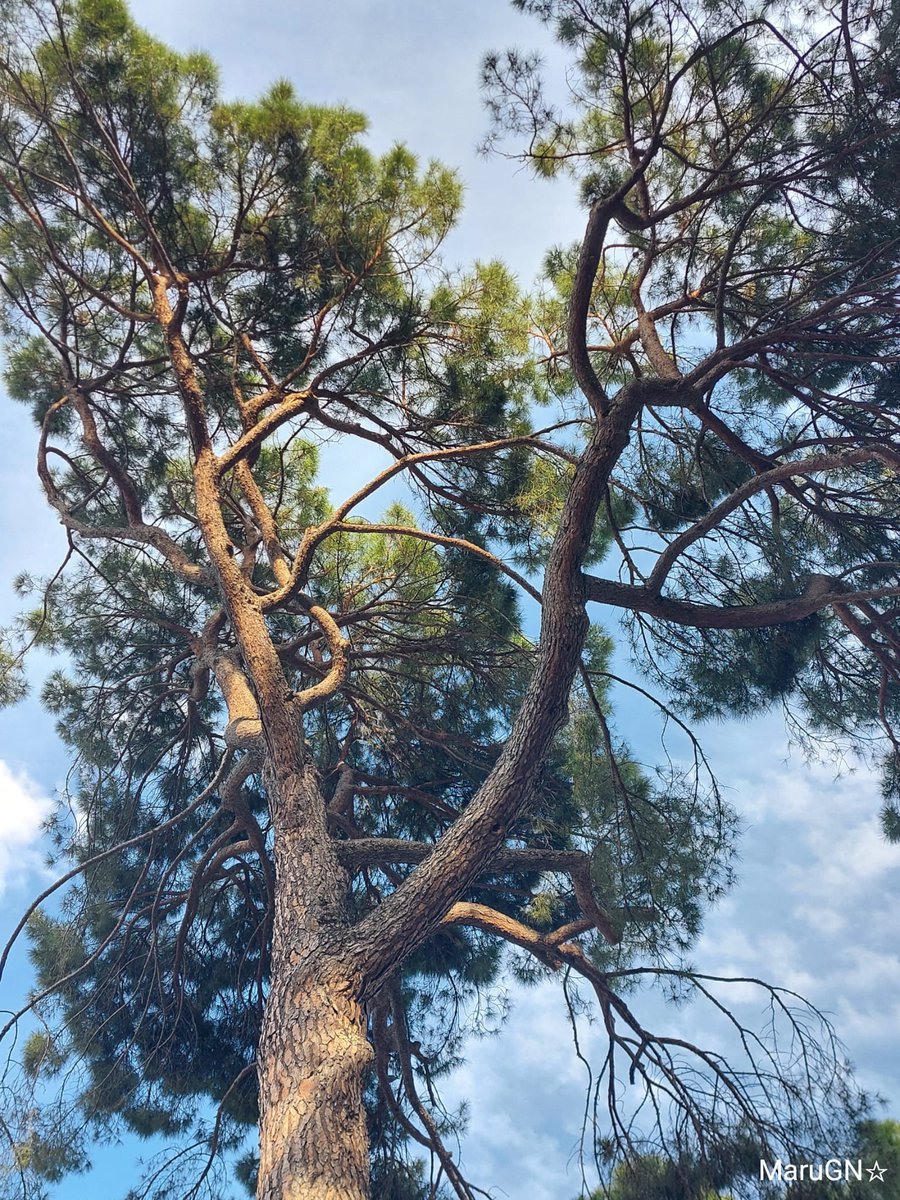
[(816, 904)]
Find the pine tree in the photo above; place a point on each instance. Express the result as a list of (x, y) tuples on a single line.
[(328, 790)]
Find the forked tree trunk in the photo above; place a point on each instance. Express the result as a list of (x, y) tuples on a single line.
[(313, 1054)]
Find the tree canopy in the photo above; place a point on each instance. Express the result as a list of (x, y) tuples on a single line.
[(329, 785)]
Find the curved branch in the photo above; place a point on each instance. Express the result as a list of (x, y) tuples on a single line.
[(244, 728), (340, 661), (786, 471), (315, 535), (439, 539), (822, 592)]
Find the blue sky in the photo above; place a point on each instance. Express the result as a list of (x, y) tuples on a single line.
[(817, 900)]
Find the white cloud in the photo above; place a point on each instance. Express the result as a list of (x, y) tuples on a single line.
[(23, 809), (526, 1095)]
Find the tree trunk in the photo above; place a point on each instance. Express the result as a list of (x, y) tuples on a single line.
[(314, 1054)]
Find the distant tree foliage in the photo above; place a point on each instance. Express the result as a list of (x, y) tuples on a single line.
[(874, 1152)]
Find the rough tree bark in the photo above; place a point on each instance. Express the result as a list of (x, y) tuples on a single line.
[(314, 1054), (314, 1059)]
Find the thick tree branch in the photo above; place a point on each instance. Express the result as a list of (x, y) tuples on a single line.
[(408, 916), (822, 592)]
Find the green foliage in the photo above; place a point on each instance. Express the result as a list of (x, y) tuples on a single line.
[(13, 684), (879, 1141), (653, 1177)]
